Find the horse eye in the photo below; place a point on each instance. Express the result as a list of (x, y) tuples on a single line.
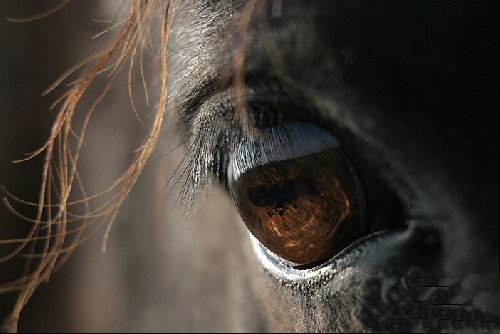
[(297, 193)]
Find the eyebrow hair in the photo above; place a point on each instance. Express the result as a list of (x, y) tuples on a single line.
[(216, 68), (195, 42)]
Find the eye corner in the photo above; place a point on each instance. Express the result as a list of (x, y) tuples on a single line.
[(385, 208)]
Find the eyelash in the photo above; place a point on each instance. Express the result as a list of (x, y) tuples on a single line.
[(214, 131)]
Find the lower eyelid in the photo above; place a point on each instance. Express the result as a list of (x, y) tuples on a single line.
[(317, 276)]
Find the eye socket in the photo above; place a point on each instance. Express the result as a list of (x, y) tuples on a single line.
[(297, 193)]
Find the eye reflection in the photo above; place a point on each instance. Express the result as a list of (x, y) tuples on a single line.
[(297, 193)]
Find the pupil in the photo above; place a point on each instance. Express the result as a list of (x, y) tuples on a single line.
[(280, 193)]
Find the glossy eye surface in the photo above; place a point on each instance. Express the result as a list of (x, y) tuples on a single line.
[(297, 193)]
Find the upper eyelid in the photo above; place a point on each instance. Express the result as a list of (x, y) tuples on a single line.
[(206, 128), (212, 126), (196, 97)]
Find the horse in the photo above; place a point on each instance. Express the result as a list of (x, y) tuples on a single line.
[(335, 164)]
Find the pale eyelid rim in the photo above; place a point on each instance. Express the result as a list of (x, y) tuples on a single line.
[(325, 272)]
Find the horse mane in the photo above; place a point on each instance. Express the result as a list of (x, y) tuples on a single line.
[(56, 227)]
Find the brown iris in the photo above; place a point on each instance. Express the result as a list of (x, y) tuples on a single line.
[(304, 209)]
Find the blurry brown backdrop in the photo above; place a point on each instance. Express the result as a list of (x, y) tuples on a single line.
[(158, 273), (33, 54)]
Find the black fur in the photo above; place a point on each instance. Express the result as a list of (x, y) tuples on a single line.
[(411, 89)]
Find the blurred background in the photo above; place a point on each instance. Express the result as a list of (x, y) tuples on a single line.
[(33, 54), (158, 272)]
